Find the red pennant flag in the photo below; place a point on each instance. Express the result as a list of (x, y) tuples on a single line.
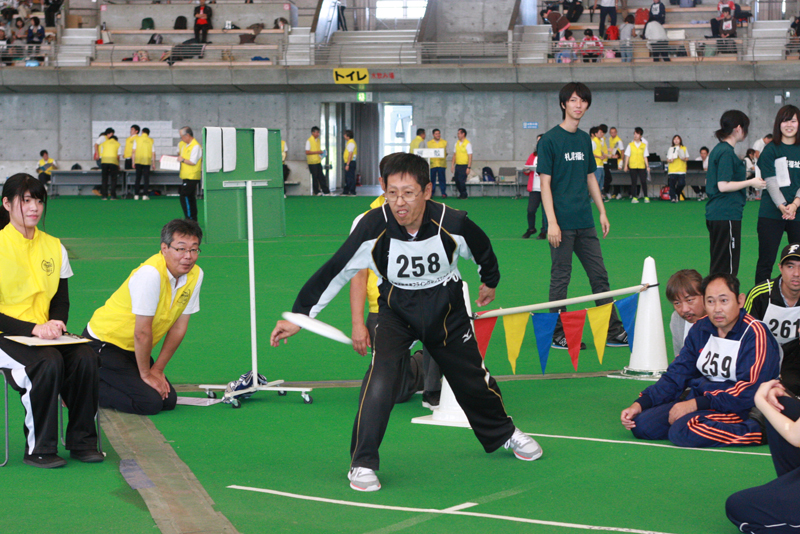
[(483, 332), (573, 330)]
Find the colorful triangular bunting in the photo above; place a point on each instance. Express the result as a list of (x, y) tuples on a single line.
[(515, 331), (598, 321), (627, 314), (573, 330), (483, 332), (544, 324)]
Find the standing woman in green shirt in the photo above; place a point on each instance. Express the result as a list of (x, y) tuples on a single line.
[(778, 209), (726, 186)]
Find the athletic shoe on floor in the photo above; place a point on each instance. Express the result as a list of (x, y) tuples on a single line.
[(45, 461), (444, 195), (560, 342), (89, 457), (145, 197), (245, 381), (647, 200), (524, 446), (543, 235), (619, 196), (528, 233), (619, 339), (430, 399), (634, 201), (135, 197), (363, 479)]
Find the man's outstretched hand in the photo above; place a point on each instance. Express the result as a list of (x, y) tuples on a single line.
[(282, 331)]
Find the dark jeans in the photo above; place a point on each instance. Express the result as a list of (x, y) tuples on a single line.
[(437, 174), (638, 178), (586, 246), (189, 198), (128, 164), (660, 51), (201, 33), (350, 179), (142, 179), (44, 177), (460, 178), (574, 12), (770, 234), (318, 181), (286, 172), (676, 184), (725, 246), (610, 12), (534, 201), (109, 176), (772, 507)]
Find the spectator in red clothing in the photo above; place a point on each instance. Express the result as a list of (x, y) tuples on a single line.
[(591, 47)]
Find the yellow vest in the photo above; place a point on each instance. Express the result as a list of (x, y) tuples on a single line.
[(636, 159), (372, 278), (283, 150), (462, 158), (314, 145), (144, 150), (115, 322), (109, 152), (415, 144), (614, 141), (49, 171), (30, 270), (678, 166), (438, 162), (355, 150), (129, 146), (190, 172), (597, 150)]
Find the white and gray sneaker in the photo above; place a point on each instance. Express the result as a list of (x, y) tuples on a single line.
[(363, 479), (524, 446)]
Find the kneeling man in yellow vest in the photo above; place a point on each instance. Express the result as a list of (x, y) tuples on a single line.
[(155, 301)]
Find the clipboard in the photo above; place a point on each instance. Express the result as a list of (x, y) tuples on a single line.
[(64, 339)]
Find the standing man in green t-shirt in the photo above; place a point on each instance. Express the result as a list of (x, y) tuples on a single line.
[(566, 167), (726, 186)]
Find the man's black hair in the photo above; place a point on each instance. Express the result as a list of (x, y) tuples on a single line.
[(420, 131), (349, 134), (108, 131), (146, 130), (410, 164), (136, 127), (43, 152), (573, 88), (769, 136), (181, 227), (638, 130), (731, 281), (435, 130), (704, 148), (463, 131), (314, 129), (593, 130), (603, 128)]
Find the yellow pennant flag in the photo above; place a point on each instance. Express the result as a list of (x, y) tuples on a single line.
[(599, 318), (514, 326)]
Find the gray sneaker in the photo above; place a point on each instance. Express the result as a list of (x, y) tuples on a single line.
[(524, 446), (363, 479)]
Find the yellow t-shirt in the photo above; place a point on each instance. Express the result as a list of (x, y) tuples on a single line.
[(42, 162), (129, 146), (313, 146), (438, 162), (462, 158), (109, 152), (414, 144), (30, 271), (190, 172), (115, 321), (144, 150)]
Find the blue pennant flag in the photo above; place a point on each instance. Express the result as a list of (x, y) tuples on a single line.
[(544, 324), (627, 314)]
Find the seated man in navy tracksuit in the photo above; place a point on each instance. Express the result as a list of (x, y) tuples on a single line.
[(727, 355)]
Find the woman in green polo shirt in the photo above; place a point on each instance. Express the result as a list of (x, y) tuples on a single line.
[(777, 213), (726, 186)]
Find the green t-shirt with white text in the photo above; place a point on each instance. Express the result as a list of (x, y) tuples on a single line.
[(568, 159), (724, 166), (766, 162)]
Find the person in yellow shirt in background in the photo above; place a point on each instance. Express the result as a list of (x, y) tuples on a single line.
[(314, 155), (677, 156), (109, 163), (439, 165), (600, 152), (616, 156), (636, 164), (190, 154), (462, 162), (284, 153), (34, 302), (144, 159), (129, 142), (417, 141), (349, 160), (45, 167), (155, 302)]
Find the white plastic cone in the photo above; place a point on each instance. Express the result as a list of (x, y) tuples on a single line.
[(449, 413), (649, 354)]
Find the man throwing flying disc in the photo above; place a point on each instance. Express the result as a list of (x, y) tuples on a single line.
[(413, 245)]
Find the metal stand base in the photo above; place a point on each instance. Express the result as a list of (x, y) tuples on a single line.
[(634, 374), (233, 399)]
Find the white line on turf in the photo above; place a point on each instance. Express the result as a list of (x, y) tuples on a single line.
[(646, 444), (458, 507), (448, 511)]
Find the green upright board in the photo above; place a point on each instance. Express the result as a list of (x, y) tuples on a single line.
[(226, 208)]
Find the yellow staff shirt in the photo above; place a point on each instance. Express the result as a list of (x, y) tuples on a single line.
[(283, 151), (42, 163), (463, 150), (678, 166), (636, 155), (109, 152), (313, 145), (415, 144), (598, 146), (438, 162), (144, 150), (129, 146), (190, 172), (348, 147)]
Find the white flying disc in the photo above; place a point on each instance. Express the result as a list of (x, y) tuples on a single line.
[(318, 327)]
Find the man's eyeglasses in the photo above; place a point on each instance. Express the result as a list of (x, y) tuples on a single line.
[(407, 196), (182, 251)]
